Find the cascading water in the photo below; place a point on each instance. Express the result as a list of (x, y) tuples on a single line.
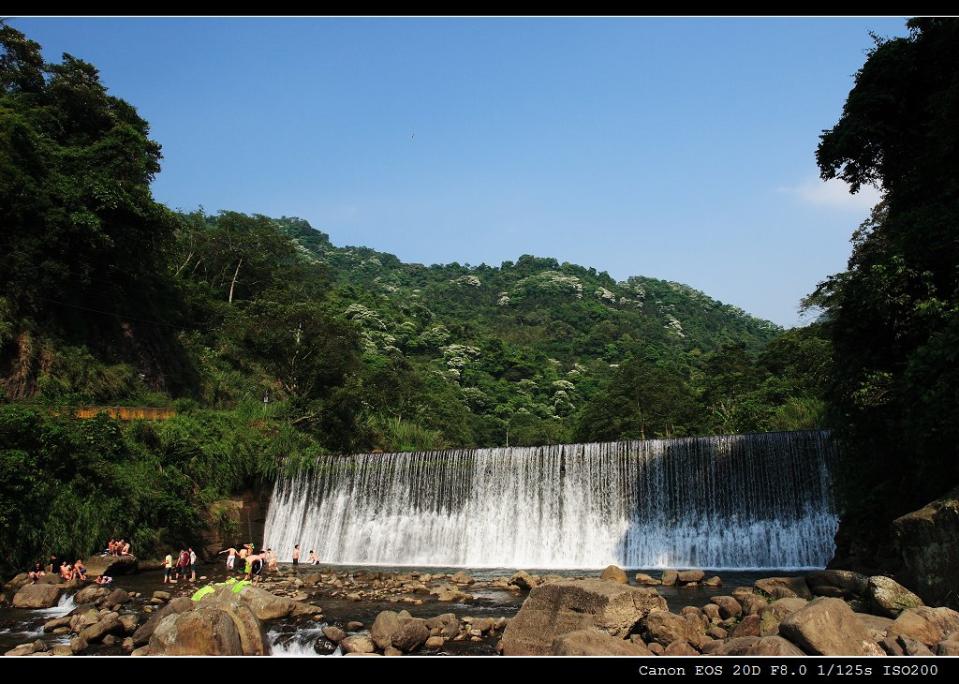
[(735, 501)]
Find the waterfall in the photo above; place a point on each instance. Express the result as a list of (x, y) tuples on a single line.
[(734, 501)]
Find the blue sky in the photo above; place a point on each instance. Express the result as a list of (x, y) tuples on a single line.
[(679, 148)]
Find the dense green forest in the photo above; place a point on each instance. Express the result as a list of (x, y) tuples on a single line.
[(273, 344), (892, 316)]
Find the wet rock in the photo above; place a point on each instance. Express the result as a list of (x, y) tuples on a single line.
[(354, 626), (386, 624), (827, 626), (690, 576), (117, 597), (435, 642), (558, 608), (645, 580), (27, 649), (445, 625), (392, 651), (265, 606), (411, 635), (162, 595), (109, 624), (669, 578), (524, 580), (614, 573), (837, 583), (713, 581), (784, 587), (334, 634), (889, 598), (142, 651), (461, 578), (754, 603), (61, 650), (595, 642), (357, 643), (51, 625), (925, 624), (449, 594), (91, 594), (37, 596), (78, 645)]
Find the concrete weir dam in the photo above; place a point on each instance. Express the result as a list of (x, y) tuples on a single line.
[(735, 501)]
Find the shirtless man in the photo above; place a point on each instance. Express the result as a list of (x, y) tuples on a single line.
[(296, 556), (79, 570), (230, 559), (37, 572), (66, 571), (271, 560), (125, 550)]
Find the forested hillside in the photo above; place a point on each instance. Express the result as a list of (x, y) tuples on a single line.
[(272, 344)]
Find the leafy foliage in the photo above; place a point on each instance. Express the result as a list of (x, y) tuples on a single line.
[(891, 316)]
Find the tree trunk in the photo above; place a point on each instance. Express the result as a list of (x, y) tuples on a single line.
[(233, 284)]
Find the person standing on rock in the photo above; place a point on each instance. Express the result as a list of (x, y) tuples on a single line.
[(168, 569), (192, 564), (296, 556), (230, 558)]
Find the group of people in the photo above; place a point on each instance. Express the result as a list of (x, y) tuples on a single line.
[(173, 572), (118, 547), (66, 571), (253, 563)]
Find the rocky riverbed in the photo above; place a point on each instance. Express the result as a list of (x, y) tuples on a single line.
[(369, 611)]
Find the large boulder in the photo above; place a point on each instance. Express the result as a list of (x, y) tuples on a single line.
[(689, 576), (828, 626), (37, 596), (557, 608), (524, 580), (777, 611), (756, 646), (358, 644), (614, 573), (91, 594), (445, 625), (784, 587), (663, 628), (411, 635), (108, 624), (925, 624), (203, 631), (728, 606), (386, 624), (178, 605), (112, 565), (669, 578), (837, 583), (889, 598), (265, 606), (595, 642), (928, 543)]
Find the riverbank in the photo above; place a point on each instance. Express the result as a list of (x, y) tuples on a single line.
[(325, 610)]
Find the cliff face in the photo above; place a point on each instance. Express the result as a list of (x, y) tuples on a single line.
[(234, 521), (928, 543)]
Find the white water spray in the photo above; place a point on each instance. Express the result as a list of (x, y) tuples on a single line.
[(736, 501)]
